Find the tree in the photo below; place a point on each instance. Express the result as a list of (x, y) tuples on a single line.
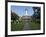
[(36, 14), (14, 16)]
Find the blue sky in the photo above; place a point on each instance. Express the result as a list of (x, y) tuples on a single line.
[(20, 10)]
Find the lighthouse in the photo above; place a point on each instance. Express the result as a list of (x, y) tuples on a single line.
[(26, 12), (26, 17)]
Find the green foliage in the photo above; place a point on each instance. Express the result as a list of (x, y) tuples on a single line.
[(36, 15), (14, 16), (35, 21), (34, 26), (17, 26)]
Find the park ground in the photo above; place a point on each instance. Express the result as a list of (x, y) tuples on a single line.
[(20, 25)]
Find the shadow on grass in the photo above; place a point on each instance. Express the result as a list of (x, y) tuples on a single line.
[(34, 26), (17, 26)]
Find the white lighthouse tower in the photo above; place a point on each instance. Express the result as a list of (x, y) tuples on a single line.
[(26, 16), (26, 12)]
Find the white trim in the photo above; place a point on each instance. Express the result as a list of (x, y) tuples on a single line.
[(23, 32)]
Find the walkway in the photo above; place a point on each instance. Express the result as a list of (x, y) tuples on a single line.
[(26, 26)]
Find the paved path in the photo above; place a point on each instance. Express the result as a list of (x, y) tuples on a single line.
[(26, 26)]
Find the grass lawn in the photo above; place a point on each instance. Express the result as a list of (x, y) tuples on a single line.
[(34, 26), (17, 26)]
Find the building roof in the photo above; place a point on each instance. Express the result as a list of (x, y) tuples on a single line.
[(26, 17)]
